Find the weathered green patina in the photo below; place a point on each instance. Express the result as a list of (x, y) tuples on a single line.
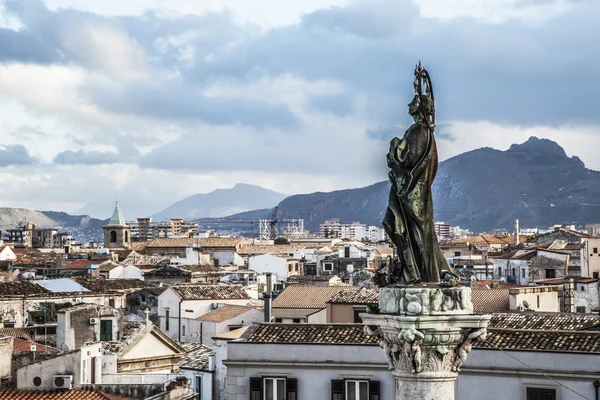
[(413, 162)]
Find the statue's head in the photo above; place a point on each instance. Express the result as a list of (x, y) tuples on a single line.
[(418, 102)]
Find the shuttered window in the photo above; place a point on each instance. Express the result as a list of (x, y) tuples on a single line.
[(273, 389), (355, 390)]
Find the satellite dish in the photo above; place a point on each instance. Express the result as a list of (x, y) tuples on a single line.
[(525, 304)]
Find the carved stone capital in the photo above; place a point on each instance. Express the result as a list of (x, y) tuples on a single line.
[(432, 343)]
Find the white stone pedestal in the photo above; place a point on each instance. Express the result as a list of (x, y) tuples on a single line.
[(426, 333)]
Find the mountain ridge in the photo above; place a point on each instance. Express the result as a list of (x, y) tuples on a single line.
[(221, 202), (482, 189)]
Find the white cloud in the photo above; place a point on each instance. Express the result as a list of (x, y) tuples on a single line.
[(266, 13), (104, 48), (495, 11)]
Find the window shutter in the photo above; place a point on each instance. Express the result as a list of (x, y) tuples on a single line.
[(291, 385), (256, 388), (337, 390), (374, 390)]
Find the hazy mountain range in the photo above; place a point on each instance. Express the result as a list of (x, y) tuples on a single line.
[(221, 202), (482, 189)]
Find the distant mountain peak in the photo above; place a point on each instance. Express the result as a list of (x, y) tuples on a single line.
[(539, 146), (221, 202)]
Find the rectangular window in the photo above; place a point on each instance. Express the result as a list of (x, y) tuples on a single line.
[(274, 389), (499, 271), (111, 303), (580, 309), (534, 393), (296, 320), (550, 273), (166, 319), (357, 390), (357, 312), (523, 273), (595, 250), (278, 320), (106, 330), (457, 254), (199, 386), (595, 275), (83, 371), (183, 330), (328, 267), (347, 251)]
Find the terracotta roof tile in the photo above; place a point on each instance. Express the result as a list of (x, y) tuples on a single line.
[(490, 300), (306, 296), (563, 341), (543, 321), (224, 313), (20, 345), (14, 394), (196, 356), (360, 296), (309, 333), (204, 242), (21, 333), (109, 285), (270, 249), (21, 288), (81, 265), (210, 292)]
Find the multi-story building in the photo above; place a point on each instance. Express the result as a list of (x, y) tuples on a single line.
[(145, 229), (334, 229), (28, 235), (443, 231), (354, 231), (331, 228), (376, 234)]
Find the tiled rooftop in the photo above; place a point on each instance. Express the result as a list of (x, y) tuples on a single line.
[(22, 333), (224, 313), (81, 265), (308, 333), (270, 249), (21, 288), (565, 341), (306, 296), (210, 292), (21, 345), (360, 296), (15, 394), (490, 300), (204, 242), (196, 356), (109, 285), (543, 321)]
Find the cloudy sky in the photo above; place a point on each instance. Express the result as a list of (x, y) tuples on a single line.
[(154, 100)]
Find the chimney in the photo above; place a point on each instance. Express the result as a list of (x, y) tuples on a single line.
[(516, 232), (267, 298)]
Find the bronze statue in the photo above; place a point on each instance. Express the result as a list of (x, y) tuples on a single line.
[(408, 221)]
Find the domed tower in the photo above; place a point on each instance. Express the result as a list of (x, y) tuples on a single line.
[(117, 235)]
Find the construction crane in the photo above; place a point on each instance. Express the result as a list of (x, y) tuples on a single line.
[(268, 228)]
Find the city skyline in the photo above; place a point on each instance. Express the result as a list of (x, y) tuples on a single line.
[(139, 100)]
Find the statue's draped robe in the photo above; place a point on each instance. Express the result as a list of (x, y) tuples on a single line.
[(409, 217)]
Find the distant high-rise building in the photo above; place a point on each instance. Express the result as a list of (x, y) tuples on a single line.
[(442, 231)]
